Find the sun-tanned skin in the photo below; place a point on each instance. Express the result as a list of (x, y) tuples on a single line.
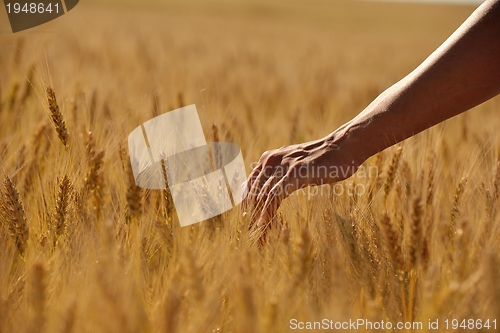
[(462, 73)]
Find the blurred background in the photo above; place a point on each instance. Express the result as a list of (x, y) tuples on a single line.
[(318, 62), (102, 255)]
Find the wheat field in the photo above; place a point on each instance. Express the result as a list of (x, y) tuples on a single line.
[(82, 249)]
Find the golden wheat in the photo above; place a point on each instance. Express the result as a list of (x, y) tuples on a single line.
[(419, 244), (57, 117), (60, 215), (12, 211)]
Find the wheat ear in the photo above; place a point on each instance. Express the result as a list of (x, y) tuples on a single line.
[(60, 221), (57, 118), (12, 209), (391, 171)]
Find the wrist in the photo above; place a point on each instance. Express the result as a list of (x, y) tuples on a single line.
[(348, 142)]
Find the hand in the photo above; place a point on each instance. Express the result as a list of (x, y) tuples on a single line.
[(282, 171), (462, 73)]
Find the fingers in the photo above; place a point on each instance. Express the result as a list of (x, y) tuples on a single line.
[(270, 168), (267, 186), (253, 177), (273, 197), (265, 170), (263, 161), (260, 198), (250, 183), (248, 189), (281, 172)]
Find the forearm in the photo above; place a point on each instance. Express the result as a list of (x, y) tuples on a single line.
[(462, 73)]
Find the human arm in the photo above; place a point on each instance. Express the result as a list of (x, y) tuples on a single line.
[(462, 73)]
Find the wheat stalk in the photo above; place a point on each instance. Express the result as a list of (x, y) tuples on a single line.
[(62, 203), (57, 118), (166, 234), (134, 195), (430, 183), (415, 232), (13, 212), (392, 243), (167, 195), (93, 182), (414, 251), (496, 182), (394, 247), (391, 171)]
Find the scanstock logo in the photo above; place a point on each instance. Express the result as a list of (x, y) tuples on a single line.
[(205, 179), (28, 14)]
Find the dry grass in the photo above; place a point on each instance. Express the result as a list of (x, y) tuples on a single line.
[(82, 249)]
